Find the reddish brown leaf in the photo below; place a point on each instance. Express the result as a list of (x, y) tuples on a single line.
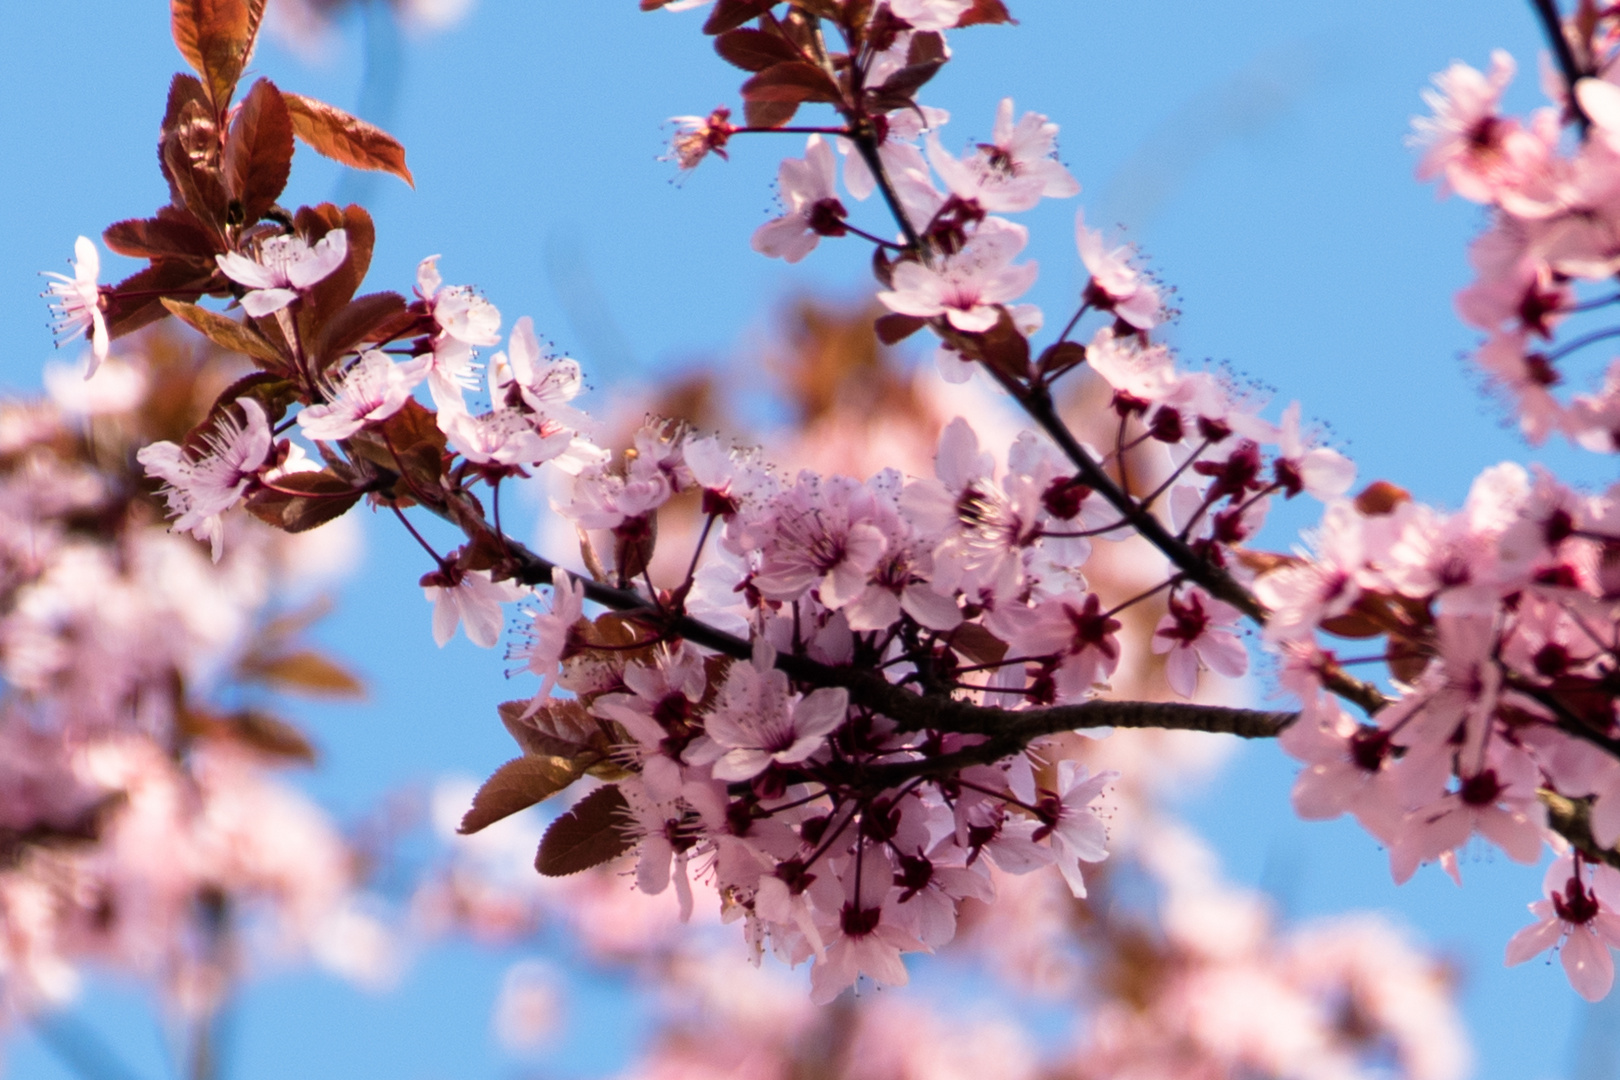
[(216, 37), (273, 393), (226, 333), (769, 114), (518, 785), (561, 727), (730, 14), (258, 152), (792, 83), (175, 234), (305, 672), (323, 496), (1060, 357), (754, 50), (331, 293), (978, 645), (138, 300), (594, 830), (271, 735), (358, 322), (346, 139), (1381, 497), (195, 182), (826, 9), (986, 11), (908, 80), (926, 48), (1004, 348), (893, 328)]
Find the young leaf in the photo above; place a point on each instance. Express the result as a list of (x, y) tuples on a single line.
[(985, 11), (174, 234), (754, 50), (730, 14), (331, 293), (305, 672), (594, 830), (893, 328), (138, 300), (226, 333), (364, 318), (792, 83), (258, 152), (216, 37), (346, 139), (560, 726), (518, 785), (321, 496)]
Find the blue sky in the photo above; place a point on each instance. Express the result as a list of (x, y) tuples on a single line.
[(1254, 150)]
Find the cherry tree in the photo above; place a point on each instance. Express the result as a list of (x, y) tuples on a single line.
[(847, 693)]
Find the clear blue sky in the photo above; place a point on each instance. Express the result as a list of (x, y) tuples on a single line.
[(1255, 149)]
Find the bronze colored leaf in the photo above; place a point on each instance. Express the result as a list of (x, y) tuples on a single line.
[(594, 830), (791, 83), (306, 672), (138, 300), (893, 328), (226, 333), (196, 184), (346, 139), (1381, 497), (258, 152), (216, 37), (730, 14), (304, 500), (358, 322), (176, 234), (985, 11), (328, 296), (561, 727), (978, 645), (271, 735), (273, 393), (518, 785), (754, 50)]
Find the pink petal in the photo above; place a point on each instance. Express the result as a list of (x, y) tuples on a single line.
[(1588, 964)]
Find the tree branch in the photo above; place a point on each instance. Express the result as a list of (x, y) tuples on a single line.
[(1552, 24)]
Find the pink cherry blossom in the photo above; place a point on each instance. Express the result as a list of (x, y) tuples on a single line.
[(550, 639), (76, 302), (373, 388), (969, 286), (283, 265), (1013, 171), (1116, 285), (757, 720), (471, 599), (809, 187), (1196, 634), (201, 486), (1582, 911)]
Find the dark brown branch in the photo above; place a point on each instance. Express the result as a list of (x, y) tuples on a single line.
[(1572, 819), (1552, 24)]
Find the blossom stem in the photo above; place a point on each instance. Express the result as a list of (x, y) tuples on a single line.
[(1582, 342), (405, 521), (1068, 328), (1174, 579), (842, 132), (865, 140), (864, 235)]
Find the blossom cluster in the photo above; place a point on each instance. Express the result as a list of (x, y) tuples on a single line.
[(138, 677)]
